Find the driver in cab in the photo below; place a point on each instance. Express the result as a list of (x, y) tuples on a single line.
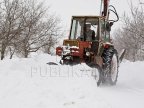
[(90, 34)]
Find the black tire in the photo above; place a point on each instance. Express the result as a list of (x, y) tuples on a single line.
[(96, 72), (114, 69), (110, 68)]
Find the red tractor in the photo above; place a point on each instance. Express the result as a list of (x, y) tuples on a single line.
[(90, 42)]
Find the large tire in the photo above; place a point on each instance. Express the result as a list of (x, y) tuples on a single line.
[(96, 72), (114, 69), (110, 68)]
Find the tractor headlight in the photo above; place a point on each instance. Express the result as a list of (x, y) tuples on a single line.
[(87, 53)]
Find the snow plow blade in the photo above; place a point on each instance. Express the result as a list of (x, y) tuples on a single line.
[(121, 56), (52, 63)]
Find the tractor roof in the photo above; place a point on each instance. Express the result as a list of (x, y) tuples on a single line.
[(87, 16)]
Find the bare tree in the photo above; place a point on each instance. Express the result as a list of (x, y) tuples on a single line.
[(10, 25), (131, 35), (26, 27), (40, 30)]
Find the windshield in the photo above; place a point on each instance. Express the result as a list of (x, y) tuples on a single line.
[(84, 29)]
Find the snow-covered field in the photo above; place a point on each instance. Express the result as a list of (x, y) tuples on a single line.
[(31, 83)]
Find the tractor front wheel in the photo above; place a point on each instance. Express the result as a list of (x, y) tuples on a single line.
[(96, 72)]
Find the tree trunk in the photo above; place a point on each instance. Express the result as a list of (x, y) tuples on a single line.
[(48, 50), (2, 54), (11, 54), (26, 53), (3, 48)]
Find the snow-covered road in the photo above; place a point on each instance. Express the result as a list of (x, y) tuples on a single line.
[(31, 83)]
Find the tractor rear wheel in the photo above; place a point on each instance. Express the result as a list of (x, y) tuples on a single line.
[(111, 64), (113, 69)]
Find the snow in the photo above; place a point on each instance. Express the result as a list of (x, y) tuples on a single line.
[(31, 83)]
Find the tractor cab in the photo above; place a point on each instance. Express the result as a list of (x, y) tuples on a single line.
[(89, 28)]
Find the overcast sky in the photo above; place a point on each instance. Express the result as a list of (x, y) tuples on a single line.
[(67, 8)]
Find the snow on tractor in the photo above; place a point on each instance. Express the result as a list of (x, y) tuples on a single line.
[(90, 42)]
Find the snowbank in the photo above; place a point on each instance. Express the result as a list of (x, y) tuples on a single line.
[(31, 83)]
